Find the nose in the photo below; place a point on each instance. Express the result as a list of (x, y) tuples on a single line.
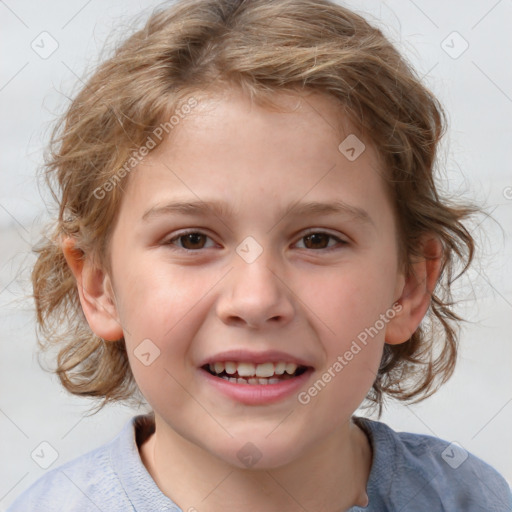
[(255, 296)]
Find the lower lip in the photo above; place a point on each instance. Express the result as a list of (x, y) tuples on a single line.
[(257, 394)]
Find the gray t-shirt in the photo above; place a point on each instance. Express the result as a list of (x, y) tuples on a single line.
[(410, 472)]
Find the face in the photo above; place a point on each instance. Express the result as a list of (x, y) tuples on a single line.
[(274, 284)]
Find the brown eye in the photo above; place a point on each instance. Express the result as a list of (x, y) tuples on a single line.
[(193, 241), (189, 241), (319, 240)]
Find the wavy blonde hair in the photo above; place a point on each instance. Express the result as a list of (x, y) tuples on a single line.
[(261, 47)]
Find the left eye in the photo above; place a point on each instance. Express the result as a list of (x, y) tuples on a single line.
[(195, 240), (314, 239)]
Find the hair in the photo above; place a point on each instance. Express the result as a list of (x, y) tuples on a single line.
[(261, 47)]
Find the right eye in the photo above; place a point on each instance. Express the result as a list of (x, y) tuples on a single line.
[(190, 240)]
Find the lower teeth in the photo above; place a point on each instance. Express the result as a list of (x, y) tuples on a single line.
[(252, 380)]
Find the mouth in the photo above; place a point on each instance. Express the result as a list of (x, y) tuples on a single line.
[(255, 378), (248, 373)]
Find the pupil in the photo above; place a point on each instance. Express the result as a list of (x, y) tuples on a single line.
[(193, 238), (315, 237)]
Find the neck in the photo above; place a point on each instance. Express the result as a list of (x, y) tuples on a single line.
[(330, 477)]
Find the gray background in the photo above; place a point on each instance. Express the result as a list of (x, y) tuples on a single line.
[(473, 409)]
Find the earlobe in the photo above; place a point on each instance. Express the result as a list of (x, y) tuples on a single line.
[(416, 292), (95, 291)]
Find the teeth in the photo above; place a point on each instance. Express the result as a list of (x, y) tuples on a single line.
[(252, 380), (279, 368), (246, 370), (290, 368), (252, 371), (265, 370), (230, 367)]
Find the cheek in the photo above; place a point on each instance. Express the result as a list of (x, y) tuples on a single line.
[(349, 298), (166, 306), (352, 308), (155, 297), (158, 309)]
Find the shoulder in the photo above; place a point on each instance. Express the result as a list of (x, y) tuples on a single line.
[(89, 482), (425, 471)]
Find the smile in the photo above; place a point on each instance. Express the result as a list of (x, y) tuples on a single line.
[(260, 382), (255, 374)]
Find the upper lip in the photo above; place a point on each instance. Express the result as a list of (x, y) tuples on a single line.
[(246, 356)]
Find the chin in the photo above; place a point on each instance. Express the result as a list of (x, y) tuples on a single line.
[(257, 452)]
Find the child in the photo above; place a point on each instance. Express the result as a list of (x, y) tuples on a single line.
[(250, 235)]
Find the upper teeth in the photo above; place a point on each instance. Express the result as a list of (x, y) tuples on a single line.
[(251, 370)]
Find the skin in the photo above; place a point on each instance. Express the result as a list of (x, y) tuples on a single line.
[(297, 297)]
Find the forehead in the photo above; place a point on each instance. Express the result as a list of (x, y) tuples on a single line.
[(290, 112), (240, 153)]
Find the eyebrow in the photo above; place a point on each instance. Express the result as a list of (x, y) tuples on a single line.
[(220, 209)]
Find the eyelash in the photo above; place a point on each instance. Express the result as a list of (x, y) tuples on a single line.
[(170, 241)]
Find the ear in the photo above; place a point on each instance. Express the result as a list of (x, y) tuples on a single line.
[(95, 291), (416, 292)]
